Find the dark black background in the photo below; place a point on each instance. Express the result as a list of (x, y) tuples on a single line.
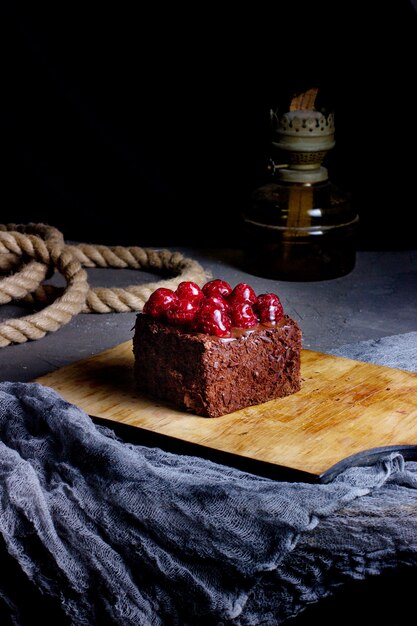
[(159, 116)]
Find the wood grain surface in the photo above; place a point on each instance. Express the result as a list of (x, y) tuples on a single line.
[(344, 407)]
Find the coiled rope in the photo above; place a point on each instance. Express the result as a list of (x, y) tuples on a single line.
[(31, 253)]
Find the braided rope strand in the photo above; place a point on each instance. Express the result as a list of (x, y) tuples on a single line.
[(42, 249)]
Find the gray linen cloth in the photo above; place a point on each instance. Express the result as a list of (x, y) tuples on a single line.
[(106, 532)]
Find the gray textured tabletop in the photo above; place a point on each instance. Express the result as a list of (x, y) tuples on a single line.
[(377, 299)]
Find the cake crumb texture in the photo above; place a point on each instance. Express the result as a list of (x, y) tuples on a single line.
[(209, 376)]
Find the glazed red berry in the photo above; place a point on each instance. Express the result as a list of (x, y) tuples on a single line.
[(242, 293), (242, 315), (268, 308), (182, 312), (221, 302), (159, 302), (217, 288), (187, 290), (212, 319)]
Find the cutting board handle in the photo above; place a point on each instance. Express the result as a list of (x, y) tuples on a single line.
[(368, 457)]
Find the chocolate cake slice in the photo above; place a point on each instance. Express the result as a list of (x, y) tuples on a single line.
[(210, 375)]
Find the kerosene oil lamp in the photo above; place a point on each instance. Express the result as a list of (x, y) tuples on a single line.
[(299, 225)]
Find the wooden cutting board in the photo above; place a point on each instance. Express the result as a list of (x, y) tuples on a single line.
[(344, 407)]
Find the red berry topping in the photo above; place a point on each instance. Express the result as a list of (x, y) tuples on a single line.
[(187, 290), (242, 315), (242, 293), (268, 307), (182, 312), (215, 309), (212, 319), (217, 288), (159, 302)]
